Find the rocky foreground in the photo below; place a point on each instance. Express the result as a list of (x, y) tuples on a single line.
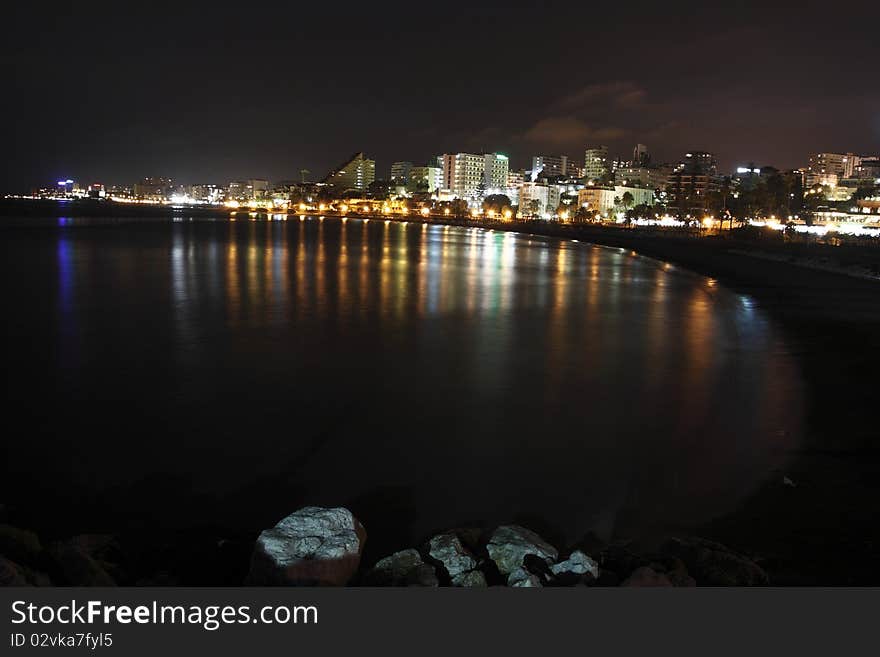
[(318, 546)]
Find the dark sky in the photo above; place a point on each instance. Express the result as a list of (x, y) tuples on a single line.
[(208, 93)]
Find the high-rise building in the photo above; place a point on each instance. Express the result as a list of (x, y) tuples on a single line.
[(425, 179), (400, 172), (357, 173), (495, 171), (463, 173), (692, 183), (828, 168), (699, 162), (596, 163), (640, 156), (549, 165)]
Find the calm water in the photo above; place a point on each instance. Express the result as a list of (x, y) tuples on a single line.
[(198, 373)]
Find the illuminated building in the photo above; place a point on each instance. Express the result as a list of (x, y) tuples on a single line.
[(153, 189), (357, 173), (598, 199), (425, 179), (596, 163), (549, 165), (400, 172)]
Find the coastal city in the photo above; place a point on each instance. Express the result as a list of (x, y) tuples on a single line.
[(831, 192)]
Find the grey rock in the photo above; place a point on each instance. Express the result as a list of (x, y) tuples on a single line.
[(714, 564), (509, 545), (471, 579), (394, 570), (314, 546), (423, 575), (577, 563), (522, 578), (645, 576), (447, 549)]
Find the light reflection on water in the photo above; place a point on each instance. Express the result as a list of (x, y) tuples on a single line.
[(482, 375)]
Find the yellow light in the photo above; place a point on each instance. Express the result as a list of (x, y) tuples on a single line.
[(302, 206), (446, 211), (425, 212), (508, 214), (343, 208), (322, 207)]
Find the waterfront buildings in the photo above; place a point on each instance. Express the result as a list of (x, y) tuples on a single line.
[(468, 175), (830, 168), (400, 172), (496, 167), (596, 166), (358, 172), (549, 166), (605, 200), (424, 179)]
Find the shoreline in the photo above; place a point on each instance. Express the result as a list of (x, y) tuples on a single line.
[(819, 528)]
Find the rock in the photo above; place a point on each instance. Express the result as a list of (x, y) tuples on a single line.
[(713, 564), (77, 567), (20, 545), (423, 575), (509, 545), (471, 579), (11, 573), (447, 550), (645, 576), (394, 570), (677, 572), (312, 546), (521, 578), (577, 563)]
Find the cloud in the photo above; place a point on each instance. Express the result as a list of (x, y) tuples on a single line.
[(618, 94), (565, 130)]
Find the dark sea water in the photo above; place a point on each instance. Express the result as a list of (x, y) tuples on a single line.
[(212, 373)]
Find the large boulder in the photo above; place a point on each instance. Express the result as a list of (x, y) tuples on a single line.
[(510, 544), (314, 546), (447, 550), (404, 568), (713, 564)]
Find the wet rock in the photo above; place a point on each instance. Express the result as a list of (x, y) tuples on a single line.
[(577, 563), (394, 570), (509, 545), (645, 576), (449, 552), (521, 578), (714, 564), (77, 566), (470, 579), (314, 546)]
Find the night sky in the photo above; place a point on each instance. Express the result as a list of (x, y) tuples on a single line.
[(117, 92)]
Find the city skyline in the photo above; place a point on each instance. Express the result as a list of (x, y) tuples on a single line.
[(205, 95)]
